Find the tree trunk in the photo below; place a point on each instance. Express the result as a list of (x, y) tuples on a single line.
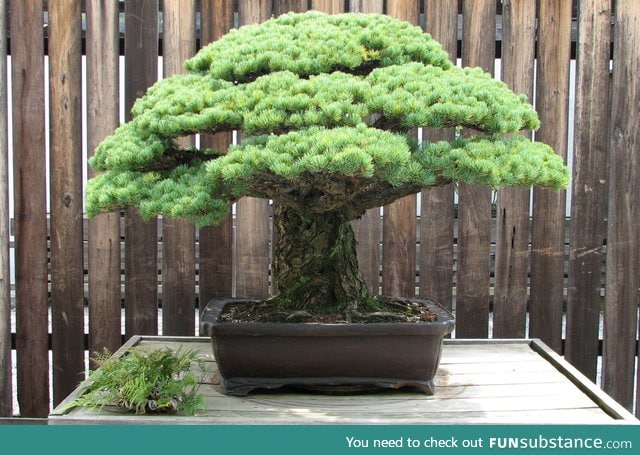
[(315, 263)]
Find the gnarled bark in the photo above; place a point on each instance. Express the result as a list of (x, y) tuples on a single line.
[(315, 263)]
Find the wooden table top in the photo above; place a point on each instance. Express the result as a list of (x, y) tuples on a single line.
[(478, 382)]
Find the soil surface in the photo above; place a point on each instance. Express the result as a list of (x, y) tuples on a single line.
[(387, 310)]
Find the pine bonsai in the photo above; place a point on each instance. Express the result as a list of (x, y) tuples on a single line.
[(326, 105)]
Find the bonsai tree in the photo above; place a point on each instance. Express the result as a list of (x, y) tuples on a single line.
[(326, 105)]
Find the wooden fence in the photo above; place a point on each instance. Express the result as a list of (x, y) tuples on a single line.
[(509, 268)]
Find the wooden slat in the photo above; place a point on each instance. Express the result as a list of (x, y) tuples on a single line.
[(307, 416), (141, 255), (6, 381), (398, 223), (437, 204), (29, 176), (552, 98), (253, 12), (589, 185), (178, 235), (512, 242), (366, 6), (252, 248), (104, 230), (67, 267), (328, 6), (368, 229), (623, 236), (472, 299), (216, 243), (406, 10), (252, 214), (289, 6)]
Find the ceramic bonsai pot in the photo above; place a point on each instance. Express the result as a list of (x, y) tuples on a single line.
[(271, 355)]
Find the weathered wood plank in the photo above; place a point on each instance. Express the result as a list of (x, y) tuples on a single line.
[(505, 369), (289, 6), (67, 271), (398, 222), (104, 252), (437, 204), (389, 406), (623, 236), (29, 174), (304, 416), (252, 247), (406, 10), (474, 235), (584, 384), (216, 242), (178, 235), (6, 381), (328, 6), (253, 12), (366, 6), (552, 100), (589, 185), (141, 255), (512, 240), (252, 214)]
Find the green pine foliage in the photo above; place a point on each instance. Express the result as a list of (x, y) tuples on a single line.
[(144, 382), (315, 43), (326, 104)]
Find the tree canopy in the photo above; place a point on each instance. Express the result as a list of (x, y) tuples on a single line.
[(326, 104)]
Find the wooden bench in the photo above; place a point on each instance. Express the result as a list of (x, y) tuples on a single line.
[(478, 382)]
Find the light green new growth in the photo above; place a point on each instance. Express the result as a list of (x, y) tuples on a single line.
[(326, 104), (158, 381)]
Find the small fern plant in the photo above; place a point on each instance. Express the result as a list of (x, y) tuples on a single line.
[(144, 382)]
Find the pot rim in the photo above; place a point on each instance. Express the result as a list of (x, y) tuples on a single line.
[(210, 326)]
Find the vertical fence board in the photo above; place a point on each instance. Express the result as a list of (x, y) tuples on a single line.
[(178, 235), (252, 12), (328, 6), (474, 201), (512, 240), (216, 242), (252, 214), (141, 255), (368, 228), (366, 6), (547, 243), (104, 230), (289, 6), (399, 217), (67, 264), (406, 10), (589, 185), (623, 237), (437, 204), (27, 72), (252, 247), (6, 382)]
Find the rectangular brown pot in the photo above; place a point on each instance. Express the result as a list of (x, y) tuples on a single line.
[(270, 355)]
